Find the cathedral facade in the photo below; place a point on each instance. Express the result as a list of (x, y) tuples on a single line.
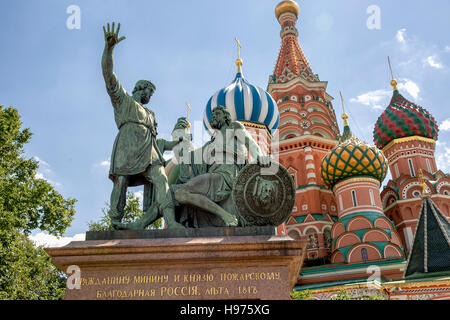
[(358, 237), (393, 242)]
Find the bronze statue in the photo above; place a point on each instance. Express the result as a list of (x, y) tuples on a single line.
[(220, 184), (210, 188), (214, 188), (137, 153)]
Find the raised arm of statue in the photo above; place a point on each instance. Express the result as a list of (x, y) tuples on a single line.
[(115, 90)]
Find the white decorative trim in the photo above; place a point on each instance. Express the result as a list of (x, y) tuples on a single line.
[(440, 185), (409, 186)]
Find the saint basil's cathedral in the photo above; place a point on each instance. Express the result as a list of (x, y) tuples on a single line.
[(394, 243)]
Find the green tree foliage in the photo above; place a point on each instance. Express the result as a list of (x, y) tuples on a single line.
[(341, 295), (344, 295), (132, 211), (26, 203), (302, 295), (26, 273)]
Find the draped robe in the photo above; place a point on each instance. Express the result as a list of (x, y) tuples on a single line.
[(135, 147)]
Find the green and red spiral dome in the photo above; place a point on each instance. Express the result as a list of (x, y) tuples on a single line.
[(402, 119)]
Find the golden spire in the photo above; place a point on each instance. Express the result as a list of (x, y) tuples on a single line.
[(344, 115), (187, 117), (393, 81), (239, 61), (287, 6)]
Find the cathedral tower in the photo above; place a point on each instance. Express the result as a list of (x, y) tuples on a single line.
[(307, 131), (354, 170), (407, 135)]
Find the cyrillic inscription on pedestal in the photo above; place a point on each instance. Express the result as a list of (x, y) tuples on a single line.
[(218, 283)]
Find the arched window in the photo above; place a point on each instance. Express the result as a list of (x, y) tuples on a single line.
[(294, 235), (372, 199), (327, 238), (411, 168), (313, 239), (428, 165), (364, 255), (355, 203), (397, 173)]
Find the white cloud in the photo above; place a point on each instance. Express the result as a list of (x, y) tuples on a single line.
[(447, 49), (40, 175), (101, 165), (409, 86), (432, 62), (378, 99), (105, 163), (140, 195), (442, 156), (46, 240), (41, 162), (168, 155), (445, 125), (373, 99), (400, 36), (45, 167)]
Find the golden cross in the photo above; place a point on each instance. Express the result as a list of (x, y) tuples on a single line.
[(390, 67), (238, 47), (342, 101), (344, 115), (187, 118), (393, 81)]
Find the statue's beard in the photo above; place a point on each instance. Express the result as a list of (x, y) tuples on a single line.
[(145, 99), (141, 98)]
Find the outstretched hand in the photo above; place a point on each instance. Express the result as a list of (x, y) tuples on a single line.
[(111, 36)]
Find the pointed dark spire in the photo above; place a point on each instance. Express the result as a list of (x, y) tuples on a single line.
[(431, 248)]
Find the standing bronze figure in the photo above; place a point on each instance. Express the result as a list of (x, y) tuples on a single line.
[(137, 153)]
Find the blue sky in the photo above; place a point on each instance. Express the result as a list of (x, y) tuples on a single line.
[(52, 74)]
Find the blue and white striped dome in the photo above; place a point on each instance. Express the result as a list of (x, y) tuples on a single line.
[(245, 102)]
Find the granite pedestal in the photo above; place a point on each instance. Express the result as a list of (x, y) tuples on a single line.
[(192, 264)]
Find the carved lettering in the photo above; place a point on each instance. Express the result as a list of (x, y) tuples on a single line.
[(214, 291), (179, 291)]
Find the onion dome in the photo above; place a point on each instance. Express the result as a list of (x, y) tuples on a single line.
[(352, 158), (245, 102), (402, 119), (287, 6)]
